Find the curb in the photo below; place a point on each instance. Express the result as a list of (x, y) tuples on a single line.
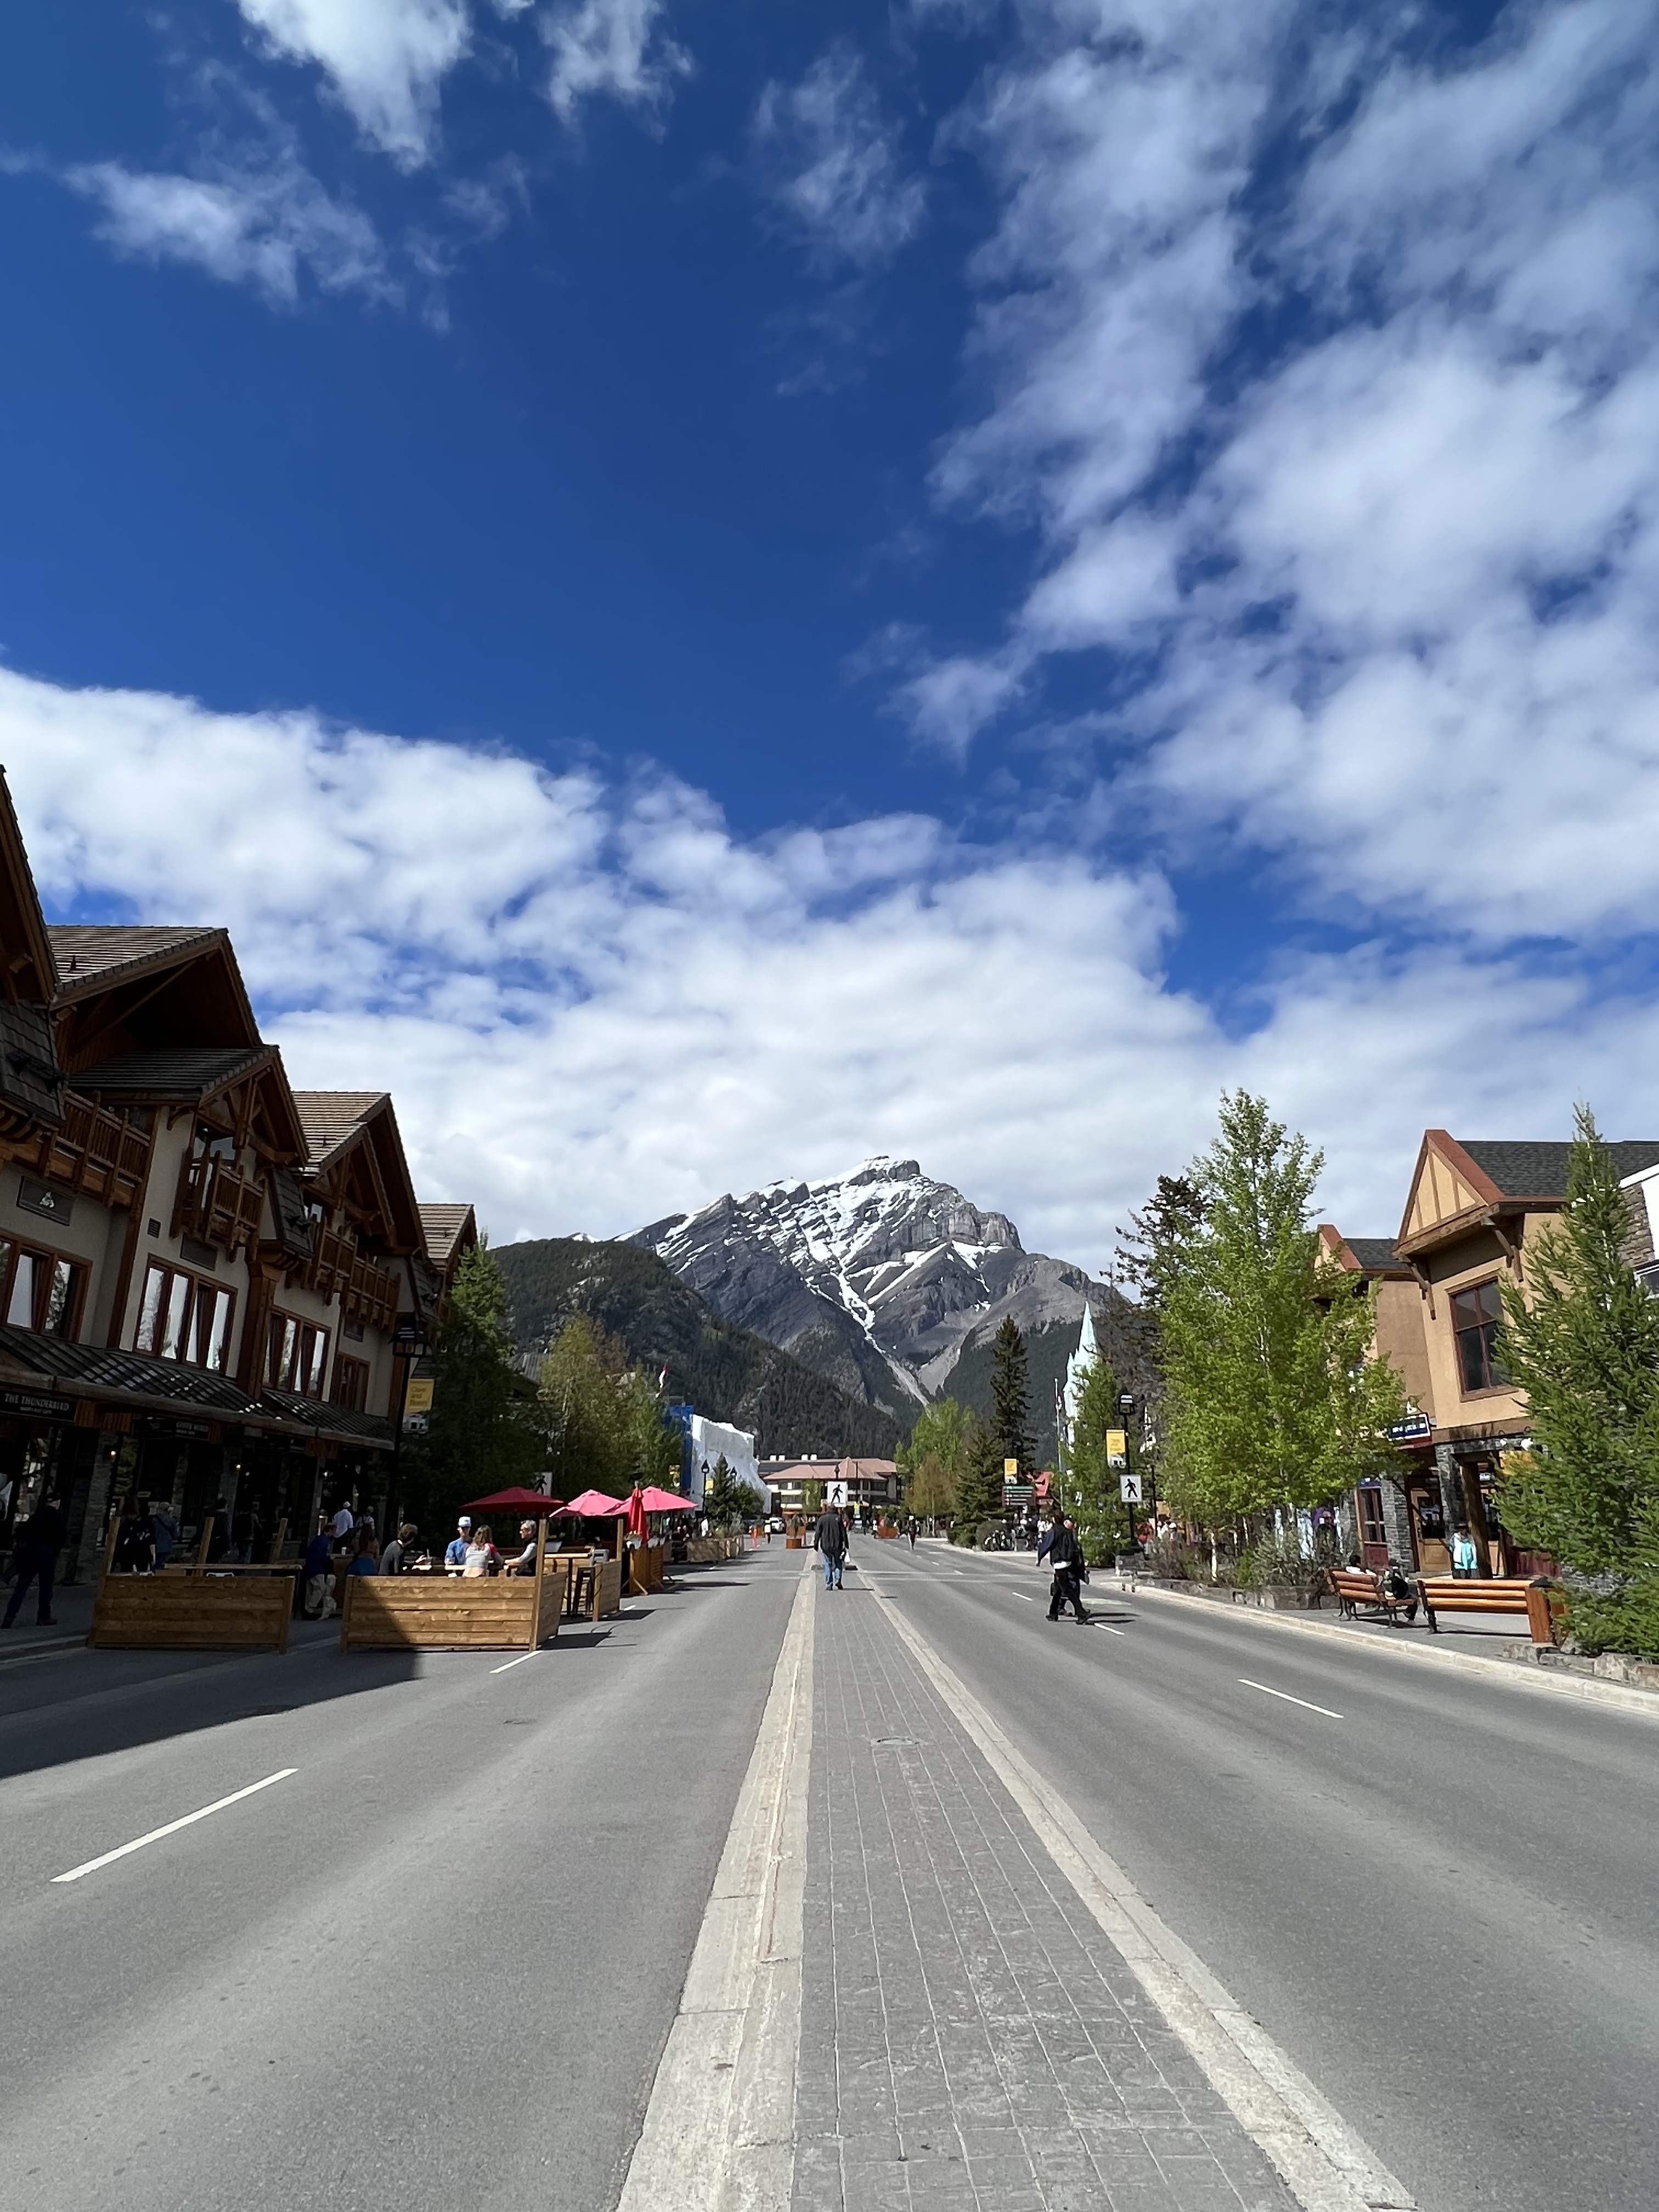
[(1515, 1673)]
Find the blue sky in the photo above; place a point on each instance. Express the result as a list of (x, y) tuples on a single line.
[(710, 590)]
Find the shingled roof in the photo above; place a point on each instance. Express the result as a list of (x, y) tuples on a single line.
[(1529, 1170), (88, 953), (173, 1071), (444, 1227), (332, 1118)]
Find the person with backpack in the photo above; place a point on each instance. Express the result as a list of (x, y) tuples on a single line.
[(35, 1559), (831, 1539)]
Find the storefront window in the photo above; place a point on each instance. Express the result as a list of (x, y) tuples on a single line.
[(1477, 1315), (298, 1355)]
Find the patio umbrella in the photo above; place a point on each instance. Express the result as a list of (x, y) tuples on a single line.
[(663, 1501), (636, 1512), (527, 1503), (594, 1505)]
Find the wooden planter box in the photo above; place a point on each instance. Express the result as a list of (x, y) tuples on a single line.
[(222, 1611), (424, 1613)]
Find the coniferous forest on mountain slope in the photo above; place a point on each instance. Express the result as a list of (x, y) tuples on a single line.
[(725, 1372)]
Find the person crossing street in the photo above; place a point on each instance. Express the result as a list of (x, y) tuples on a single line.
[(1066, 1558)]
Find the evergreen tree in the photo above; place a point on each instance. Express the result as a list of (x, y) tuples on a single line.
[(1011, 1414), (728, 1500), (1090, 1486), (1583, 1341), (979, 1484), (1275, 1396), (485, 1432)]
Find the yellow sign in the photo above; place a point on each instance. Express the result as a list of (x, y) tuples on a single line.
[(1117, 1446), (419, 1397), (1010, 1470)]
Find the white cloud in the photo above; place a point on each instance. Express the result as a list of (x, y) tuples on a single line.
[(1363, 463), (613, 49), (264, 226), (385, 59), (594, 1004), (833, 166)]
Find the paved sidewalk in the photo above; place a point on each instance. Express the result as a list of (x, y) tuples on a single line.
[(970, 2038)]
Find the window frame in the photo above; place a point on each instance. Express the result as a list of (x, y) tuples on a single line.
[(362, 1372), (287, 1378), (188, 1325), (1483, 1332), (80, 1272)]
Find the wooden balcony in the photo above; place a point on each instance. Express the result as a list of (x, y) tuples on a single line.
[(217, 1204), (333, 1256), (96, 1152), (371, 1297)]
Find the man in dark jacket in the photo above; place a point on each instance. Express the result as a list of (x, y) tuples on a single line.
[(831, 1540), (1065, 1557), (34, 1556)]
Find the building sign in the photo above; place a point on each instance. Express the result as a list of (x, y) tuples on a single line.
[(165, 1424), (1117, 1448), (37, 1403), (39, 1198), (1416, 1428)]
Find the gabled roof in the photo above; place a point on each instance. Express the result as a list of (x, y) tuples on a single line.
[(91, 954), (449, 1230), (331, 1119), (1364, 1256), (29, 972), (1458, 1186), (353, 1141)]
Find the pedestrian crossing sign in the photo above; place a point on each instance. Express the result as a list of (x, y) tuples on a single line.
[(1128, 1489)]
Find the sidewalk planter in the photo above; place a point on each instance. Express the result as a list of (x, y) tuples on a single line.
[(419, 1612), (221, 1611)]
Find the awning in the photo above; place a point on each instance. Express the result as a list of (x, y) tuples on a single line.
[(133, 1382)]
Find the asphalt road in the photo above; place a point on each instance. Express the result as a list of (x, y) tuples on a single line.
[(1443, 1904), (433, 1967)]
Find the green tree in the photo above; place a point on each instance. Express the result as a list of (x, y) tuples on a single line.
[(1011, 1411), (1583, 1342), (933, 1456), (728, 1500), (485, 1432), (1274, 1394), (603, 1421), (979, 1483), (1090, 1484)]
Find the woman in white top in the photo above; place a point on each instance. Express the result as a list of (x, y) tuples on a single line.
[(481, 1556)]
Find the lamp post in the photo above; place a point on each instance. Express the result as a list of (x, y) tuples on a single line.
[(408, 1345), (1125, 1407)]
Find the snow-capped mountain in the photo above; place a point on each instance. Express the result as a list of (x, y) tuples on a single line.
[(877, 1278)]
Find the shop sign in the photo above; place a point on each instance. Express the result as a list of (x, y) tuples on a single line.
[(1416, 1428), (37, 1403), (39, 1198), (162, 1424)]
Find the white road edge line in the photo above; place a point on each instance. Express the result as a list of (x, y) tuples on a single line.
[(1026, 1595), (519, 1662), (1267, 1690), (719, 2129), (1109, 1629), (1326, 2164), (189, 1819)]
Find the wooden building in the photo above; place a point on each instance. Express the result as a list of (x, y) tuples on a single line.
[(201, 1274)]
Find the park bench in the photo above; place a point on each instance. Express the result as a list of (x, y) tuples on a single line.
[(1541, 1603), (1353, 1587)]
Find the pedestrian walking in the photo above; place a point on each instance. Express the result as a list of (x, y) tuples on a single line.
[(1465, 1560), (318, 1553), (1066, 1558), (344, 1521), (913, 1532), (831, 1539), (35, 1559)]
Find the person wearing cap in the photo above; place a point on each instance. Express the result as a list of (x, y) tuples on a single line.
[(455, 1556), (344, 1521)]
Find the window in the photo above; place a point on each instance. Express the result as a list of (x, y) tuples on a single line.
[(41, 1291), (1477, 1316), (298, 1354), (181, 1317), (351, 1384)]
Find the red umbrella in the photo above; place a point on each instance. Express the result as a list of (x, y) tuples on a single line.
[(594, 1505), (534, 1503), (663, 1501), (636, 1510)]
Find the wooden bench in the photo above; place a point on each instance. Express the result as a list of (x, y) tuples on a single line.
[(1543, 1603), (1353, 1587)]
